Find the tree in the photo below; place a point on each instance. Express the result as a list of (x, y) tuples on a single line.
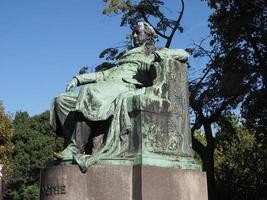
[(6, 145), (208, 106), (239, 164), (235, 74), (34, 143), (209, 102), (239, 31)]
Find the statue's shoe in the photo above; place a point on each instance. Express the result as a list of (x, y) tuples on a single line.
[(58, 155), (63, 156)]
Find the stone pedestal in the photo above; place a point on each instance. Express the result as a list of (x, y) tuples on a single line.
[(122, 182)]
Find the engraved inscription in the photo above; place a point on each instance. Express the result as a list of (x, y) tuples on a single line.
[(54, 190)]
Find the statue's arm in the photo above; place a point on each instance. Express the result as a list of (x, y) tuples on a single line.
[(87, 78), (92, 77), (177, 54)]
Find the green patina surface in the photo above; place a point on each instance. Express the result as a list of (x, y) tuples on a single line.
[(182, 163), (146, 97)]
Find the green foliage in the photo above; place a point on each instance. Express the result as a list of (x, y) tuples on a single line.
[(6, 145), (30, 192), (235, 74), (109, 53), (34, 143), (116, 6), (104, 66), (239, 163), (239, 33), (202, 139)]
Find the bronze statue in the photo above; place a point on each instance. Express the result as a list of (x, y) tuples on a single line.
[(102, 99)]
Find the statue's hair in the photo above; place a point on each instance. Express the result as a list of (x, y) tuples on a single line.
[(152, 37), (149, 30)]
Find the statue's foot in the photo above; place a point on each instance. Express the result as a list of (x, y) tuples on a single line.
[(58, 155), (63, 156)]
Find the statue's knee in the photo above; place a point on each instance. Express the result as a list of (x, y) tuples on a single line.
[(58, 101)]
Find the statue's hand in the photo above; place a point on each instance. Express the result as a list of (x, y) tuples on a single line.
[(72, 84)]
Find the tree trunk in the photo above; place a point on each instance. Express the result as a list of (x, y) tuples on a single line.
[(207, 156), (208, 167)]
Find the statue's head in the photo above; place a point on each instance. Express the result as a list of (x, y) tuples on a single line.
[(143, 33)]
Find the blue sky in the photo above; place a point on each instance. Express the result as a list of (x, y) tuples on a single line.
[(43, 44)]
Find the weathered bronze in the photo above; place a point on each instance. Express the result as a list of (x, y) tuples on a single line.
[(135, 112)]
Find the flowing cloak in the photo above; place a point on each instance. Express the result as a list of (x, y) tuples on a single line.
[(104, 94)]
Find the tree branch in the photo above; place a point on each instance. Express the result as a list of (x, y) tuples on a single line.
[(158, 32), (168, 43), (207, 53)]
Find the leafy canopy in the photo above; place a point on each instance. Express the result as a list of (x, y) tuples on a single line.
[(34, 143), (6, 145)]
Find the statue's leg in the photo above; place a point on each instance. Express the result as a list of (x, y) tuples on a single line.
[(61, 117), (79, 137), (82, 133)]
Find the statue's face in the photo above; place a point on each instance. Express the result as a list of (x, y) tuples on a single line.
[(139, 35)]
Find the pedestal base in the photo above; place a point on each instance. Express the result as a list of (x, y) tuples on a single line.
[(122, 182)]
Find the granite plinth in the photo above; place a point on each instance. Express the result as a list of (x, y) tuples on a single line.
[(122, 182)]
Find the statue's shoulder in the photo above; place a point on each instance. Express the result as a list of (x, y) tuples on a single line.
[(177, 54), (136, 50), (170, 50), (131, 52)]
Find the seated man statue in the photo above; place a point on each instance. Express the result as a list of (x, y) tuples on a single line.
[(103, 97)]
